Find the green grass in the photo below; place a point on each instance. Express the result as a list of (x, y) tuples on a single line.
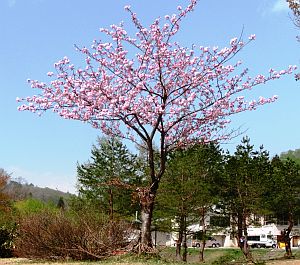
[(221, 256), (211, 256)]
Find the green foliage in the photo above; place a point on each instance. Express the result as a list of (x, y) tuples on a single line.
[(243, 188), (186, 193), (188, 181), (243, 184), (61, 204), (81, 206), (186, 185), (286, 186), (291, 154), (109, 178), (219, 221), (8, 233), (33, 206), (5, 203), (284, 200)]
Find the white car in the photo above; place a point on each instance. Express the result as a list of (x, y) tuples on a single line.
[(211, 242)]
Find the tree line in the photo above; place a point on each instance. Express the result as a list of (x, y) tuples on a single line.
[(197, 180), (244, 184)]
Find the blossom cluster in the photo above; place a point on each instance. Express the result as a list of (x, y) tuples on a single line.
[(178, 93)]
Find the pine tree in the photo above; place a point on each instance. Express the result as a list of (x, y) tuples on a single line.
[(284, 200), (187, 191), (243, 188), (109, 177)]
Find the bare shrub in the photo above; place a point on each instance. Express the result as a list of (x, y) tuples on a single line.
[(51, 235)]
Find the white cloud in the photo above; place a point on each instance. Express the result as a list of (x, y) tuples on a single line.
[(280, 6)]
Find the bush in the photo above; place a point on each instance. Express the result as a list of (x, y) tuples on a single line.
[(7, 236), (32, 206), (84, 236)]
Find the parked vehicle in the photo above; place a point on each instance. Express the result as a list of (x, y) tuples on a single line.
[(211, 242), (259, 241)]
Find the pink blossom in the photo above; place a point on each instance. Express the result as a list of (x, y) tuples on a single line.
[(147, 86), (233, 41), (252, 37), (127, 7)]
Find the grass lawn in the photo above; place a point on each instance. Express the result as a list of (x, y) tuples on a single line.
[(221, 256)]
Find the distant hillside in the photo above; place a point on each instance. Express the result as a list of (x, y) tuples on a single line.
[(20, 191), (292, 154)]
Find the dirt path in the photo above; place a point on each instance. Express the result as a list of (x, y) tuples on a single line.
[(284, 262)]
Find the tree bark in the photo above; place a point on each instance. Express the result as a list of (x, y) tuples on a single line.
[(111, 214), (146, 216), (202, 223), (145, 244), (201, 251), (184, 253), (242, 236), (178, 244), (287, 238), (147, 196), (111, 205)]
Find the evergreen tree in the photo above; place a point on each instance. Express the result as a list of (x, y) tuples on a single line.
[(187, 192), (243, 188), (284, 199), (61, 204), (109, 177)]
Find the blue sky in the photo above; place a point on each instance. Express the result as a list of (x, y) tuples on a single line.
[(37, 33)]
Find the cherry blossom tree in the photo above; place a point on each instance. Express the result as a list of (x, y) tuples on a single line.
[(294, 5), (150, 90)]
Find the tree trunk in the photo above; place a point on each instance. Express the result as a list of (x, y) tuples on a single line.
[(146, 197), (242, 237), (111, 215), (287, 238), (287, 243), (111, 205), (202, 223), (184, 254), (201, 250), (239, 228), (145, 244), (178, 244), (246, 248), (146, 216)]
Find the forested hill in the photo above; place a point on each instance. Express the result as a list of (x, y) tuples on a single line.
[(20, 191), (292, 154)]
